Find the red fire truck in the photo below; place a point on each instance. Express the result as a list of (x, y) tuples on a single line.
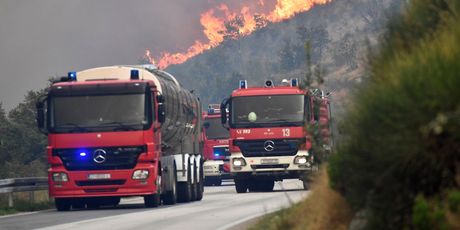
[(269, 140), (216, 153), (121, 131)]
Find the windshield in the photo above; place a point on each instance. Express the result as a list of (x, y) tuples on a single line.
[(99, 113), (216, 130), (266, 111)]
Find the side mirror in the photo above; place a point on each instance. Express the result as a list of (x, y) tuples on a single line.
[(161, 113), (160, 98), (223, 111), (41, 115), (206, 124)]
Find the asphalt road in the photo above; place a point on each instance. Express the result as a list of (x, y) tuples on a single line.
[(221, 208)]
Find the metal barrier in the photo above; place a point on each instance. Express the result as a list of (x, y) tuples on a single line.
[(28, 184)]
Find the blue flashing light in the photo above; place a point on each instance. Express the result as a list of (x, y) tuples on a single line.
[(243, 84), (134, 74), (72, 76), (294, 82), (83, 154), (219, 151)]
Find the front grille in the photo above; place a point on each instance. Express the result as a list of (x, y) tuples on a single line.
[(114, 158), (101, 190), (256, 148), (284, 166), (100, 182)]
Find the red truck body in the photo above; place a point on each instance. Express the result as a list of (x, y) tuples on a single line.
[(215, 150), (269, 140), (116, 132)]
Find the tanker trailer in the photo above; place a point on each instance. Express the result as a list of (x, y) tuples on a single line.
[(121, 131)]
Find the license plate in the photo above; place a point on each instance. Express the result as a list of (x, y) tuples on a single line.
[(98, 176), (269, 161)]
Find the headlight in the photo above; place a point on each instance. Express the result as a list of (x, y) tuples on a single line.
[(140, 174), (300, 160), (239, 162), (60, 177)]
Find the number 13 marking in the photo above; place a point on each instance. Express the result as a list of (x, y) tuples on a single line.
[(286, 132)]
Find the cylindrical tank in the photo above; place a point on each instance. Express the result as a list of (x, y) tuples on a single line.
[(181, 130), (183, 111)]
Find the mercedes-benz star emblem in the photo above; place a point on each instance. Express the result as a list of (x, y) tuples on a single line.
[(99, 156), (269, 146)]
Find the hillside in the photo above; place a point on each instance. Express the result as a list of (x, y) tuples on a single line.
[(339, 34)]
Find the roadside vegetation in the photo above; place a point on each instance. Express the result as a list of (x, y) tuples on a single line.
[(323, 209), (398, 161)]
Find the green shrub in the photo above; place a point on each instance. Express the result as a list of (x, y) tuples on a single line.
[(453, 200), (402, 135)]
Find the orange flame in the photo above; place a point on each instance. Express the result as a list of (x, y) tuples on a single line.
[(221, 23)]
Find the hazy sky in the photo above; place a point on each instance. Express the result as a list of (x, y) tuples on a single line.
[(44, 38)]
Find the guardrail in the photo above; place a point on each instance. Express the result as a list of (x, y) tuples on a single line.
[(27, 184)]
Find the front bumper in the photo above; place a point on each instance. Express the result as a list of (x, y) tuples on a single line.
[(120, 183), (282, 166), (215, 168)]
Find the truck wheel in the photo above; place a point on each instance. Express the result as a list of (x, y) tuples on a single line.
[(194, 186), (62, 204), (200, 184), (170, 197), (152, 201), (184, 189), (241, 185)]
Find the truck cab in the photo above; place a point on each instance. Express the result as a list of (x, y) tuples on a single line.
[(121, 131), (269, 140), (216, 152)]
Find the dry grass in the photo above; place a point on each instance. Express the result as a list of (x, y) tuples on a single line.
[(323, 209)]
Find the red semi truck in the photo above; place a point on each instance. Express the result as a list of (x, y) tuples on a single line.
[(122, 131), (269, 140), (216, 153)]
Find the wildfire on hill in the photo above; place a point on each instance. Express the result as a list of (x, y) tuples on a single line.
[(221, 23)]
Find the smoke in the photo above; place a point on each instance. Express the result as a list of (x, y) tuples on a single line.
[(40, 39), (44, 38)]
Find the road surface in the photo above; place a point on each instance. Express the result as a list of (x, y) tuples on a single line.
[(221, 208)]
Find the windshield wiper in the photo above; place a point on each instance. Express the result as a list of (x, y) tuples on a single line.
[(76, 128), (121, 125)]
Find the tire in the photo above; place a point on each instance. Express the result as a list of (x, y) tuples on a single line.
[(170, 197), (184, 189), (241, 185), (200, 184), (152, 201), (194, 186), (62, 204)]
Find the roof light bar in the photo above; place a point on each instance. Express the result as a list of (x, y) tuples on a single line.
[(134, 74), (243, 84), (72, 76)]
